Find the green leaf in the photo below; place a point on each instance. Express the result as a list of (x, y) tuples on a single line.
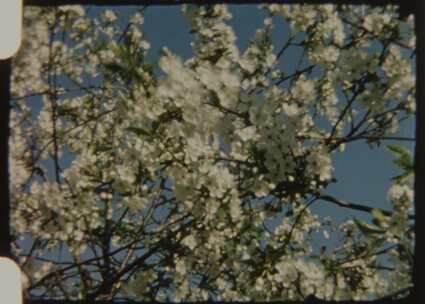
[(138, 131), (115, 68), (403, 161), (378, 217), (148, 68), (404, 176), (398, 150), (63, 111), (367, 228), (103, 148), (221, 212), (403, 158)]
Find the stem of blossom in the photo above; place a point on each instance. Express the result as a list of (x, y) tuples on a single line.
[(295, 74)]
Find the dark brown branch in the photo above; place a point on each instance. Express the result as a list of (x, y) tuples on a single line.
[(295, 74), (378, 138), (358, 207)]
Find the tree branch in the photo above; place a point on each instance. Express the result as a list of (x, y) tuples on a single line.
[(358, 207)]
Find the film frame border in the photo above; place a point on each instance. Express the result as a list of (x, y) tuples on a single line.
[(406, 7)]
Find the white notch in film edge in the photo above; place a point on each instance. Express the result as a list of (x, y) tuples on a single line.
[(10, 282), (10, 27)]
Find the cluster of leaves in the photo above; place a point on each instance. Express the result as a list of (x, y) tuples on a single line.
[(197, 184)]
